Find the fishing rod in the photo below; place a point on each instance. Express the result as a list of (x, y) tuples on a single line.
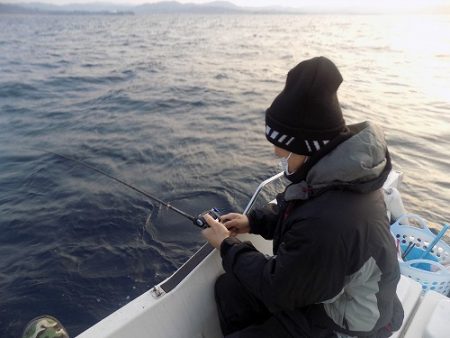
[(198, 221)]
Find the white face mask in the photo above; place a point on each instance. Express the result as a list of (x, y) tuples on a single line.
[(284, 164)]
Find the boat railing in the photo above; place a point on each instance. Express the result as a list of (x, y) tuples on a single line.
[(258, 190)]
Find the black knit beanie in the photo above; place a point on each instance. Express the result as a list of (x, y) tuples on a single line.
[(306, 115)]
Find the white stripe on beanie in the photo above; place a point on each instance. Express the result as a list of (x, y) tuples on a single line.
[(316, 145), (290, 140), (274, 135), (309, 147)]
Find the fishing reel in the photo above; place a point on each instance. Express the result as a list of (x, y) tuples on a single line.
[(200, 220)]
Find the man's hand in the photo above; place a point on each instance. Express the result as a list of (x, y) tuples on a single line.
[(216, 232), (236, 223)]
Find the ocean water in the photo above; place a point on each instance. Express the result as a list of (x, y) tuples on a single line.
[(174, 104)]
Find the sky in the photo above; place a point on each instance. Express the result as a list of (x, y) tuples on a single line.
[(369, 4)]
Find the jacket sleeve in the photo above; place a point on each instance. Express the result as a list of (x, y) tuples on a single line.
[(309, 268), (263, 221)]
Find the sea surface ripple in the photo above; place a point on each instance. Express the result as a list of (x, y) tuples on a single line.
[(174, 104)]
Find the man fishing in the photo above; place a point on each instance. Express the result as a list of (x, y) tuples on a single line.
[(334, 271)]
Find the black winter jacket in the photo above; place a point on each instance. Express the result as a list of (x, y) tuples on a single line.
[(331, 243)]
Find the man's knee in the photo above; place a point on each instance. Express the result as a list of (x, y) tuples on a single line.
[(225, 285)]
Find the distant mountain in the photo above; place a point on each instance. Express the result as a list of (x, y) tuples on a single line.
[(80, 9), (37, 6), (223, 4), (102, 7), (14, 9), (214, 7), (86, 7), (176, 7)]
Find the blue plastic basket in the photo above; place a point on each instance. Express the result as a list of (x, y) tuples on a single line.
[(430, 271), (434, 277)]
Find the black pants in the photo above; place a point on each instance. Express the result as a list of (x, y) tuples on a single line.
[(244, 316)]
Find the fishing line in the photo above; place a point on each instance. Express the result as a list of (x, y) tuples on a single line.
[(199, 221)]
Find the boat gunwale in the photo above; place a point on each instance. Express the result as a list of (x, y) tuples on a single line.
[(182, 272)]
